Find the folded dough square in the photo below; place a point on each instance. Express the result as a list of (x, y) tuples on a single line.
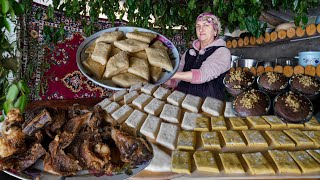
[(117, 64), (131, 45), (155, 73), (140, 54), (159, 58), (110, 37), (139, 67), (159, 45), (146, 37), (126, 80), (95, 68), (101, 52), (90, 49)]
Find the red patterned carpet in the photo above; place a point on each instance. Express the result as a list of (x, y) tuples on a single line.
[(54, 73)]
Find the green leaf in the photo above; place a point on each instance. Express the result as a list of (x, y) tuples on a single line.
[(274, 2), (22, 86), (6, 24), (192, 4), (23, 100), (18, 8), (50, 12), (12, 93), (305, 19), (7, 106), (1, 118), (4, 6)]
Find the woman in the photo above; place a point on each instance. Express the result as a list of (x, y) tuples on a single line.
[(203, 67)]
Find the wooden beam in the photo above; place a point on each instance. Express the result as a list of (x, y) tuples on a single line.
[(271, 19)]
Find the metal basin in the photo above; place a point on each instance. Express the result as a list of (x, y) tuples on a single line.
[(245, 63)]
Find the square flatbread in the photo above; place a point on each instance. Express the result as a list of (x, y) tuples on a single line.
[(155, 73), (110, 37), (114, 51), (127, 79), (159, 58), (159, 45), (146, 37), (131, 45), (139, 67), (94, 67), (101, 52), (90, 49), (139, 54), (117, 64)]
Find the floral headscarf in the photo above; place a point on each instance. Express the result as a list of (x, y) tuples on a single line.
[(212, 19)]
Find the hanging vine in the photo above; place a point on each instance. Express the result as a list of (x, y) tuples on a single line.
[(164, 15)]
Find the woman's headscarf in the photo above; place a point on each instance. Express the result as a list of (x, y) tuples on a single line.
[(212, 19)]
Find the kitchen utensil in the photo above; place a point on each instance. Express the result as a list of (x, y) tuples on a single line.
[(245, 63), (286, 61), (309, 58)]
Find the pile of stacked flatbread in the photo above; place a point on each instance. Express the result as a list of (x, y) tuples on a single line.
[(200, 136), (127, 59)]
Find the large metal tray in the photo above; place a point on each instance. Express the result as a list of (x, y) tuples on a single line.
[(107, 83)]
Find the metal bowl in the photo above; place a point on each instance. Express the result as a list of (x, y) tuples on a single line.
[(286, 61), (245, 63), (107, 83)]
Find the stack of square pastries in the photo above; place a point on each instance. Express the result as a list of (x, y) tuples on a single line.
[(203, 135), (128, 58)]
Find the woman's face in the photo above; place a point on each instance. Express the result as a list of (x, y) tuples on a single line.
[(205, 31)]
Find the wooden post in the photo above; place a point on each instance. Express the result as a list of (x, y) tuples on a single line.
[(282, 34), (266, 38), (234, 43), (311, 29), (291, 32), (240, 42), (300, 32), (246, 41), (273, 36)]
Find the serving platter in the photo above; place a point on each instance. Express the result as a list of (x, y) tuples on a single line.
[(107, 83), (37, 170)]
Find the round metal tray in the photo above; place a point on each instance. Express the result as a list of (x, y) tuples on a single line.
[(107, 83)]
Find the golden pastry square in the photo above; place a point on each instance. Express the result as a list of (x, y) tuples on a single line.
[(202, 124), (218, 123), (186, 140), (232, 139), (315, 154), (313, 124), (279, 140), (306, 163), (205, 161), (314, 136), (210, 140), (257, 122), (295, 126), (275, 122), (231, 163), (181, 162), (257, 164), (284, 162), (237, 123), (254, 139), (299, 138)]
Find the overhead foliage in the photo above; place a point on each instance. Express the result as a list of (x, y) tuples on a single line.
[(171, 13)]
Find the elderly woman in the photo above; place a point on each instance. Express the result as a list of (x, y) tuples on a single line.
[(203, 67)]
